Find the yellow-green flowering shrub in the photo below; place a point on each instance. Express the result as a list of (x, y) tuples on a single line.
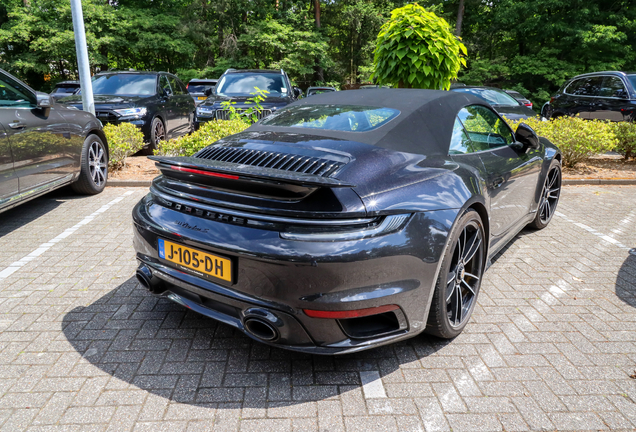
[(578, 139), (124, 140), (207, 134), (626, 136)]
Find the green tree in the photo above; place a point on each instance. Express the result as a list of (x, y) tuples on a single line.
[(416, 48)]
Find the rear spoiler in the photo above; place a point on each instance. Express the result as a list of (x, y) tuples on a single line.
[(235, 171)]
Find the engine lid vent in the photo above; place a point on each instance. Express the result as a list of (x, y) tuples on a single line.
[(270, 159)]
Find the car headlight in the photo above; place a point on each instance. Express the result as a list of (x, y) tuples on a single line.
[(204, 111), (132, 112)]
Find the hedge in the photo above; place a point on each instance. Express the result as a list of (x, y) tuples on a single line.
[(207, 134), (124, 140)]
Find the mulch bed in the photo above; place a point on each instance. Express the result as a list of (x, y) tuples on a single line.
[(599, 167)]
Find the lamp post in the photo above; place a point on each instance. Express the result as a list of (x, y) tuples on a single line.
[(82, 56)]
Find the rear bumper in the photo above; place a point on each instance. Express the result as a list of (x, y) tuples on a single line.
[(283, 277)]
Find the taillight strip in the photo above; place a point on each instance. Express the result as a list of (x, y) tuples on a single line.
[(201, 172), (356, 313)]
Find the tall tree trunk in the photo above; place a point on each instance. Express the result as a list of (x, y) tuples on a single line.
[(319, 74), (460, 18)]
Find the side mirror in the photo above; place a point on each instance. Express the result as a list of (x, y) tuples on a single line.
[(208, 92), (297, 92), (527, 137), (43, 100)]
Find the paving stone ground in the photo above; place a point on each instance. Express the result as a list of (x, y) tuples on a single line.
[(551, 345)]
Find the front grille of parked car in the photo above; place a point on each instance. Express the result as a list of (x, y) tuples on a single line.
[(269, 159), (225, 114), (106, 116)]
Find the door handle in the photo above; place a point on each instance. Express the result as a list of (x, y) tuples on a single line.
[(16, 125), (497, 182)]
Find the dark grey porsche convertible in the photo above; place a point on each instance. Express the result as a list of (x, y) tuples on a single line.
[(346, 220)]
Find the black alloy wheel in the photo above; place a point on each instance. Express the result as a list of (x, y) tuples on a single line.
[(458, 284), (549, 197), (158, 132)]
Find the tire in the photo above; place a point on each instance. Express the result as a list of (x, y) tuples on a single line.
[(93, 167), (550, 193), (457, 285), (157, 133)]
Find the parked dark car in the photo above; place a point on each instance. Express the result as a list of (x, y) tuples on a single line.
[(65, 88), (346, 220), (318, 90), (601, 95), (501, 101), (157, 102), (520, 98), (238, 86), (200, 89), (44, 146)]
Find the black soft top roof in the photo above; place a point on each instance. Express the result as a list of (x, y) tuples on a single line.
[(424, 125)]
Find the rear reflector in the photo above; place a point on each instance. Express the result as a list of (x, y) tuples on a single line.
[(356, 313), (201, 172)]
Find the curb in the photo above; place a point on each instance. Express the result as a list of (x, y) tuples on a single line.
[(565, 182), (128, 183), (601, 182)]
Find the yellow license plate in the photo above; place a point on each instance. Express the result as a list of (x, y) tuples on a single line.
[(202, 97), (194, 259)]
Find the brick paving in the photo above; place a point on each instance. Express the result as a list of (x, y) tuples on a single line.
[(551, 345)]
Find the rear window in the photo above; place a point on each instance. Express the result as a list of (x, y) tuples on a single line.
[(346, 118), (66, 90), (199, 88)]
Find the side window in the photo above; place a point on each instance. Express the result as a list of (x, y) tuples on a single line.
[(612, 87), (485, 129), (165, 85), (460, 144), (586, 86), (14, 94), (176, 89)]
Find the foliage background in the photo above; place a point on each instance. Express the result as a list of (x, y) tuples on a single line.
[(531, 46)]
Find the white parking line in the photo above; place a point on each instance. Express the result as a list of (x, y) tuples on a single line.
[(597, 233), (372, 384), (15, 266)]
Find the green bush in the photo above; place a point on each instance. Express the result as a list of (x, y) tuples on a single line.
[(124, 140), (578, 139), (626, 136), (417, 49), (207, 134)]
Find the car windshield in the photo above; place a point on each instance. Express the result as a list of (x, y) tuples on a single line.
[(199, 87), (492, 96), (318, 91), (125, 84), (233, 85), (347, 118)]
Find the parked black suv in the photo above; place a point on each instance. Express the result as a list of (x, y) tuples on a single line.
[(157, 102), (600, 95), (239, 85), (501, 101)]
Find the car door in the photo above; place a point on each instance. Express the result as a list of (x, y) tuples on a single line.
[(183, 104), (612, 101), (511, 177), (166, 96), (39, 137), (583, 93), (8, 178)]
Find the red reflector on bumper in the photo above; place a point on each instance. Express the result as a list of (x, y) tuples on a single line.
[(201, 172), (356, 313)]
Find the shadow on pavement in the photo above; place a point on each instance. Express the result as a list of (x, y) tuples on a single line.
[(163, 348), (626, 280), (26, 213)]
